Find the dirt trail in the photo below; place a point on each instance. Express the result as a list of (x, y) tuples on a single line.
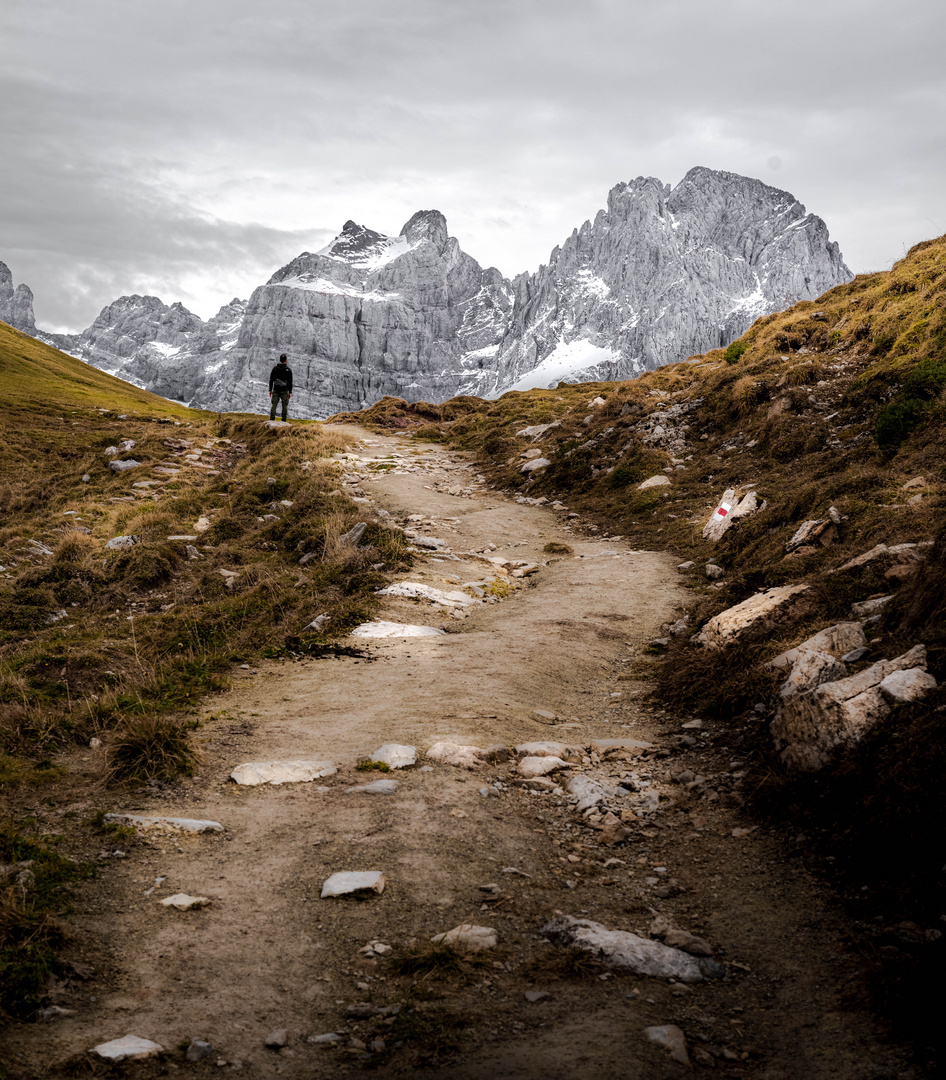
[(269, 954)]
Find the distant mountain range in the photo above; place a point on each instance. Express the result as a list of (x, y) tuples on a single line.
[(659, 275)]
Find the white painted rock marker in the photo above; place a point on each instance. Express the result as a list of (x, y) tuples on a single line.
[(183, 902), (164, 824), (252, 773), (128, 1048), (347, 882)]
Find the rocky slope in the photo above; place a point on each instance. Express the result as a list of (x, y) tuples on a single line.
[(657, 276)]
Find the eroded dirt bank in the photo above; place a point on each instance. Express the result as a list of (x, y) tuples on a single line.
[(269, 954)]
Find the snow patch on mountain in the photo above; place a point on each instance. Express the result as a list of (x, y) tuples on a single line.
[(570, 361)]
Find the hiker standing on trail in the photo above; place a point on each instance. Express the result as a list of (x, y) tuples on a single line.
[(280, 387)]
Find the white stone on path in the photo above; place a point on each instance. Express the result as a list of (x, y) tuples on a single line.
[(550, 749), (395, 755), (128, 1048), (376, 787), (468, 936), (252, 773), (531, 767), (600, 746), (415, 590), (587, 792), (671, 1038), (383, 629), (183, 902), (123, 466), (465, 757), (164, 824), (347, 882), (623, 950)]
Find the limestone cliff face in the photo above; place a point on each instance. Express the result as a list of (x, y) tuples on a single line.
[(658, 275), (369, 315), (166, 349), (16, 305)]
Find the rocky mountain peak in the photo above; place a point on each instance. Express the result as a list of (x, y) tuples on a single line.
[(16, 305), (428, 225)]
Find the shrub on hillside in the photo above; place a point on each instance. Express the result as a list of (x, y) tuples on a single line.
[(152, 748)]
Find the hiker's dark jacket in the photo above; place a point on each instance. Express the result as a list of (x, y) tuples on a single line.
[(281, 374)]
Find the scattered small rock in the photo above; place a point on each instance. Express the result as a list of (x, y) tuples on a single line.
[(670, 1037), (164, 824), (117, 543), (350, 882), (395, 755), (128, 1048), (464, 757), (276, 1040), (468, 936), (183, 902), (376, 787), (198, 1050)]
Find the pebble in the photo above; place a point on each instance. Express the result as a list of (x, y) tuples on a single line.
[(328, 1039), (670, 1037), (118, 543), (536, 995), (276, 1040), (198, 1050)]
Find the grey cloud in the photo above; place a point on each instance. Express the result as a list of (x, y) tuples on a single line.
[(144, 142)]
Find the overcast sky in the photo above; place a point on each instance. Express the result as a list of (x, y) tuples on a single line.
[(189, 148)]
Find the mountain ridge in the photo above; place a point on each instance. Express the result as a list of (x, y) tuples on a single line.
[(659, 274)]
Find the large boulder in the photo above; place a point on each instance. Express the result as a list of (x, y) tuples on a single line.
[(812, 726), (837, 641), (762, 611)]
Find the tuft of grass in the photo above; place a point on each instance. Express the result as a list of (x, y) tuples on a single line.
[(436, 959), (553, 547), (151, 748), (569, 963), (366, 765)]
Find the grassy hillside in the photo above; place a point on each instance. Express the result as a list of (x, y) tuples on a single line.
[(119, 644), (839, 403)]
